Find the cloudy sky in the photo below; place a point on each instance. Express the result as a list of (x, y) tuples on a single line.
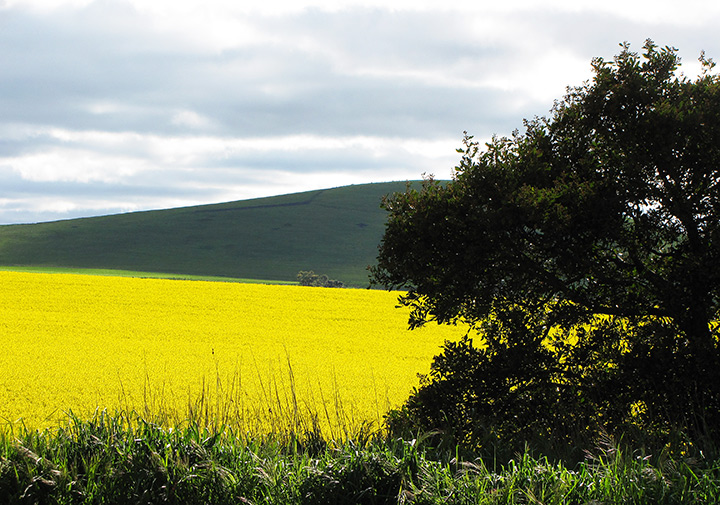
[(111, 106)]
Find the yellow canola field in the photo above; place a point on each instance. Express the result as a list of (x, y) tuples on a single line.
[(261, 357)]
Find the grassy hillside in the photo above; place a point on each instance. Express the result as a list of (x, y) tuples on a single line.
[(332, 231)]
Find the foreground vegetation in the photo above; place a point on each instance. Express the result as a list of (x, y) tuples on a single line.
[(119, 459)]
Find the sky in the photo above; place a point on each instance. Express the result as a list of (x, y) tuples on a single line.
[(110, 106)]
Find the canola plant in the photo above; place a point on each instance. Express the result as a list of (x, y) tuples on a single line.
[(263, 358)]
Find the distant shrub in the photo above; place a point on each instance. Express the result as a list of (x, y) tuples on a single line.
[(310, 278)]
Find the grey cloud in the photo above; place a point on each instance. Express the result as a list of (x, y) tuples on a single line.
[(358, 72), (64, 66)]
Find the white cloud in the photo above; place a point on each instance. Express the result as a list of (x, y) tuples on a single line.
[(112, 156), (46, 5), (191, 119), (75, 165)]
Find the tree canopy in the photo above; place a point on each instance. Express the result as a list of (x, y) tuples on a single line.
[(310, 278), (605, 212)]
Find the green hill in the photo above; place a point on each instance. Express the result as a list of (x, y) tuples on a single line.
[(331, 231)]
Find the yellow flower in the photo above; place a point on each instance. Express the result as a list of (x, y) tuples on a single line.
[(260, 357)]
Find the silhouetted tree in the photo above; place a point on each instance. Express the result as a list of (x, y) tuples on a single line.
[(585, 251)]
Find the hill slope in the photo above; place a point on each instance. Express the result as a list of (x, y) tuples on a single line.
[(332, 231)]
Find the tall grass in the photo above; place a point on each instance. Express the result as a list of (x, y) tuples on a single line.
[(123, 458), (278, 408)]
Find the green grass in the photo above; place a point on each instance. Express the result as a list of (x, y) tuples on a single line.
[(333, 231), (122, 459), (133, 273)]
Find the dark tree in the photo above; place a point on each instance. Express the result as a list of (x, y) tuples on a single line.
[(310, 278), (607, 212)]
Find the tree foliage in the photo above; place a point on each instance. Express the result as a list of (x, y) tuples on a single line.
[(585, 250), (310, 278)]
